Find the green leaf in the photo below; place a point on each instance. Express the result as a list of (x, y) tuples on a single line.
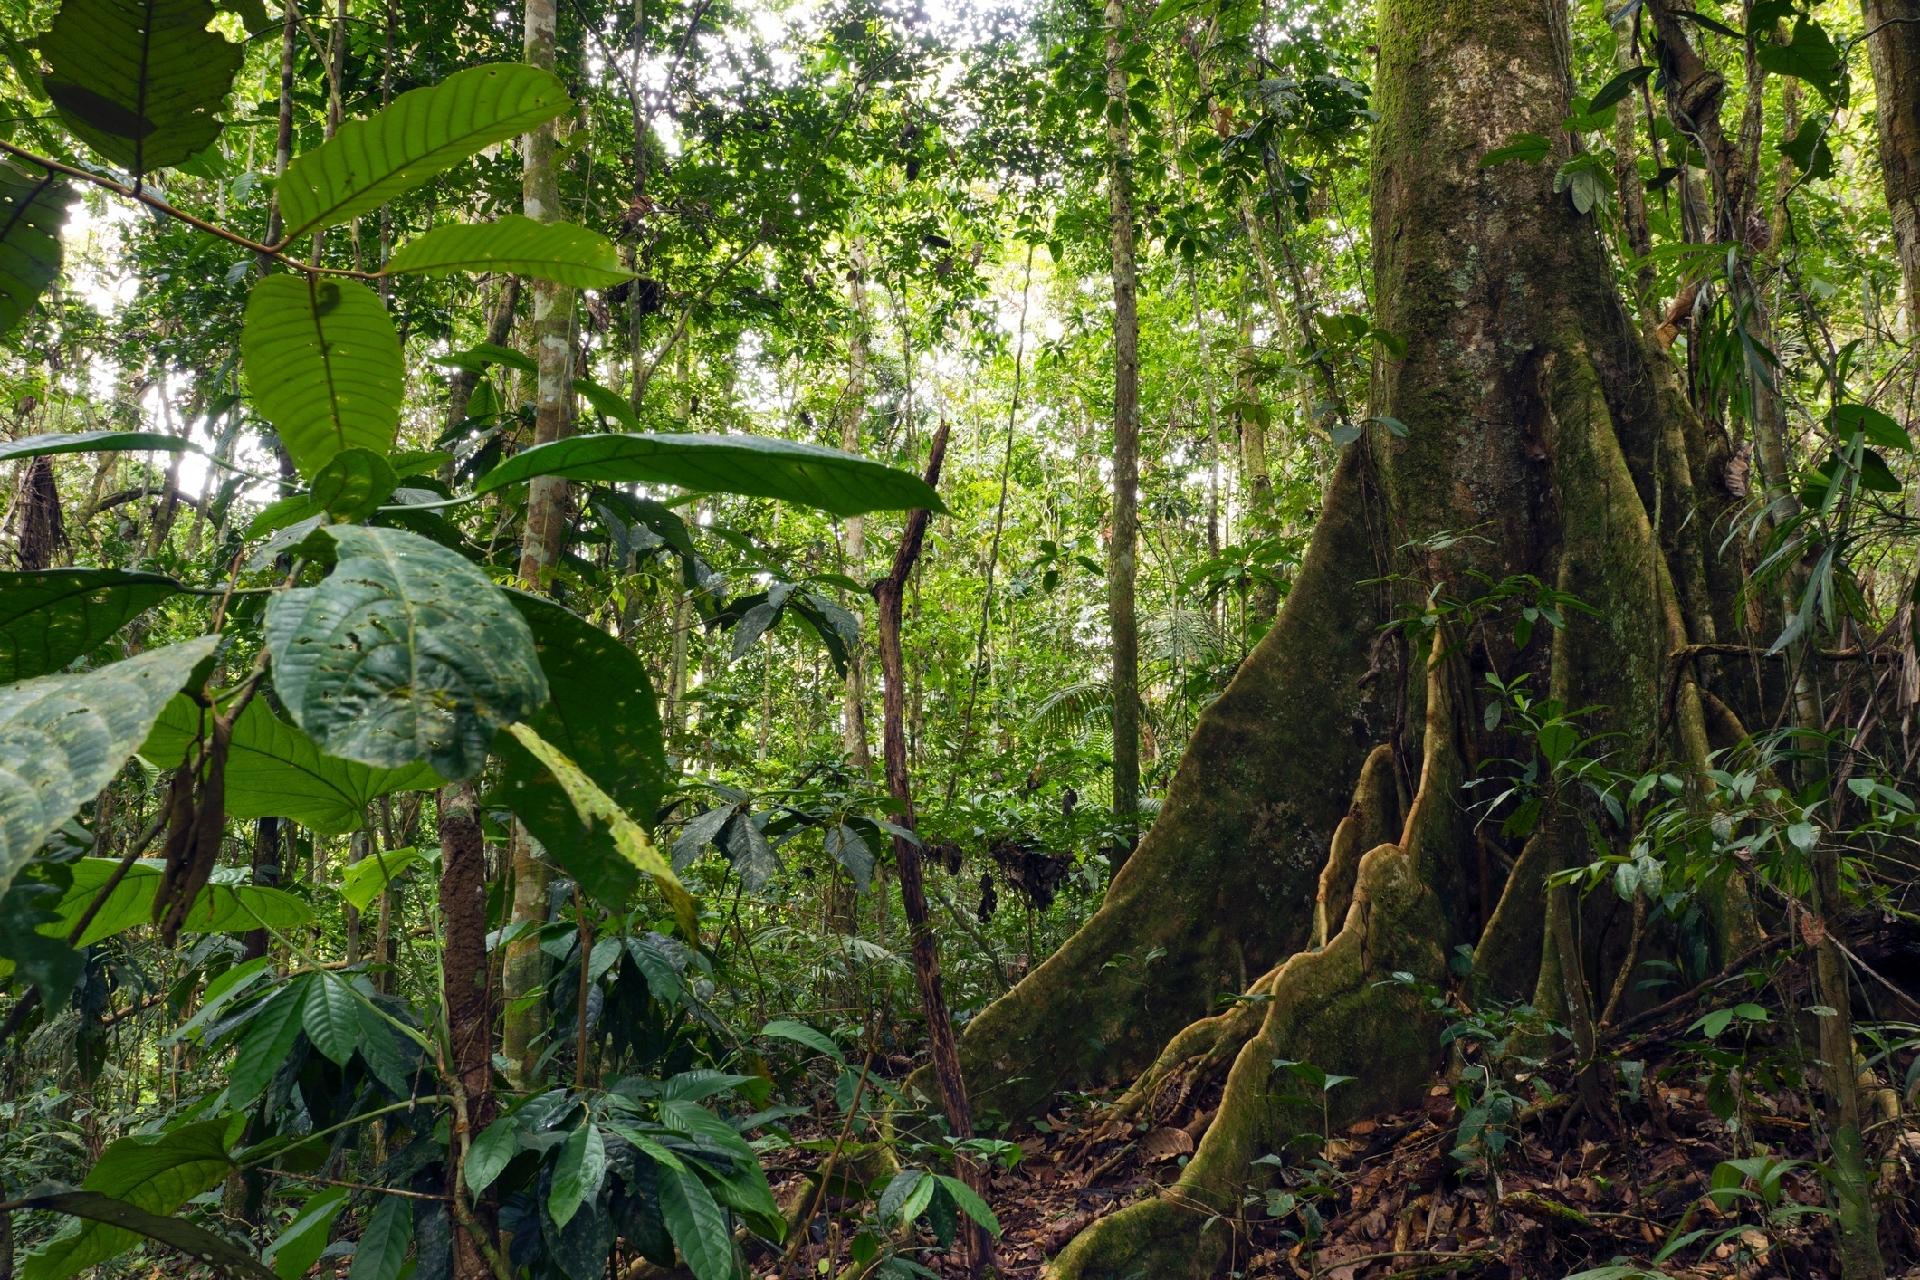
[(1616, 89), (139, 81), (48, 619), (275, 771), (367, 879), (761, 466), (1529, 148), (421, 134), (801, 1033), (92, 442), (845, 847), (1809, 151), (323, 365), (194, 1241), (607, 404), (156, 1173), (902, 1190), (405, 652), (331, 1018), (268, 1039), (218, 908), (696, 1223), (63, 737), (1811, 57), (353, 484), (578, 1172), (601, 715), (1878, 428), (33, 207), (383, 1246), (752, 856), (477, 358), (516, 244), (592, 805), (489, 1154), (295, 1250), (970, 1202)]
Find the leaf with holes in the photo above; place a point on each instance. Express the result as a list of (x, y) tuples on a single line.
[(557, 251), (420, 134), (139, 81), (594, 806), (324, 366), (275, 771), (759, 466), (62, 738), (155, 1173), (405, 652), (33, 206), (601, 715), (48, 619)]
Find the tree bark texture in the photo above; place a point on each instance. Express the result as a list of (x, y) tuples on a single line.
[(1315, 839), (544, 532), (1893, 47), (1122, 567)]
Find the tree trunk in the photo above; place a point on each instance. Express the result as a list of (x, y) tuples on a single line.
[(1893, 45), (469, 1004), (1121, 563), (853, 418), (1326, 780), (540, 543), (887, 594)]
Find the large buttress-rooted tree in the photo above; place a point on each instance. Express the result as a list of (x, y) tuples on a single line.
[(1317, 838)]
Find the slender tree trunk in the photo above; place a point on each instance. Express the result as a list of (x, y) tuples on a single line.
[(1122, 565), (1893, 46), (853, 417), (540, 543), (469, 1004), (888, 593)]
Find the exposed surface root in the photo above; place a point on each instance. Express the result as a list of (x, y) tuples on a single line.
[(1338, 1007)]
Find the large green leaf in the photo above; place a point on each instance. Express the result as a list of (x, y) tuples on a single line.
[(602, 716), (406, 652), (594, 806), (556, 251), (264, 1045), (92, 442), (295, 1250), (324, 366), (275, 771), (156, 1173), (423, 133), (195, 1241), (698, 1225), (33, 205), (139, 81), (62, 738), (48, 619), (578, 1171), (762, 466), (219, 908), (382, 1250)]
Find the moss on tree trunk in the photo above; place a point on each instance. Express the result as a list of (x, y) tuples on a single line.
[(1546, 438)]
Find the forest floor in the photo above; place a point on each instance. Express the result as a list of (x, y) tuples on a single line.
[(1389, 1197)]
